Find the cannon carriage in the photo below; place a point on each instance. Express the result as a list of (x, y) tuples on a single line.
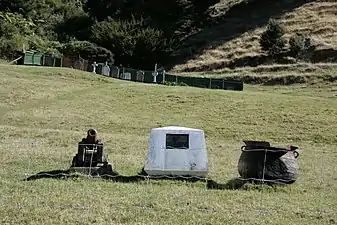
[(90, 157)]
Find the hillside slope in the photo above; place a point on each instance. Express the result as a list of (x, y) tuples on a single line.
[(233, 41), (44, 112)]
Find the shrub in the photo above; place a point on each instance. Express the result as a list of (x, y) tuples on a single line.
[(14, 30), (43, 45), (299, 46), (11, 45), (77, 26), (272, 40), (296, 44), (132, 42), (86, 50)]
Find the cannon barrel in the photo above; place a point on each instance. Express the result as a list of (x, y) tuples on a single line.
[(90, 157), (92, 135)]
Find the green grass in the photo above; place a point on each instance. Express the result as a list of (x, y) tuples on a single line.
[(3, 61), (54, 108)]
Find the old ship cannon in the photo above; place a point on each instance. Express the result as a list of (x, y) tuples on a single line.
[(259, 161), (91, 158)]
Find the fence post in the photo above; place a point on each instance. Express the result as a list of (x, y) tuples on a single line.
[(176, 80), (118, 70), (223, 83), (210, 83), (155, 73), (163, 76)]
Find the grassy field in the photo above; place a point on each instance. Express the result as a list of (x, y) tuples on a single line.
[(53, 108)]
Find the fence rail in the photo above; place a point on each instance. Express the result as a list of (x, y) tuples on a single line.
[(161, 77), (145, 76)]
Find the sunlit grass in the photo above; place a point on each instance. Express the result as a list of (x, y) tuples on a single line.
[(53, 108)]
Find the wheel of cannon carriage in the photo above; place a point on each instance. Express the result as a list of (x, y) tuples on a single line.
[(77, 161), (281, 166)]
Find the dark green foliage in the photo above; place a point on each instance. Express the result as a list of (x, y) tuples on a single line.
[(13, 31), (137, 33), (296, 44), (133, 43), (150, 29), (86, 50), (300, 46), (42, 44), (272, 40), (15, 23), (13, 5), (101, 9), (77, 26)]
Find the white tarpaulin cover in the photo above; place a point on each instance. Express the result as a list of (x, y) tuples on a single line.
[(177, 151)]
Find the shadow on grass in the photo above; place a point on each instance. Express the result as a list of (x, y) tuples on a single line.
[(233, 184), (55, 174), (142, 176)]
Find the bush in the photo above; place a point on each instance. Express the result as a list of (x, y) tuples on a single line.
[(43, 45), (86, 50), (11, 45), (77, 26), (133, 43), (14, 30), (17, 32), (296, 45), (272, 40), (299, 46), (14, 23)]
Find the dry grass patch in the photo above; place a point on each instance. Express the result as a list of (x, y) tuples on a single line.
[(277, 74), (316, 19)]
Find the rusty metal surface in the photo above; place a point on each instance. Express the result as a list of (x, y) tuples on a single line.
[(264, 145)]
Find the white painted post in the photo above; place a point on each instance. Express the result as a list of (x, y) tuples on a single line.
[(164, 76), (94, 67), (106, 69), (155, 74)]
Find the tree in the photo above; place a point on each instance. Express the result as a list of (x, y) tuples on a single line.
[(296, 44), (15, 31), (138, 32), (131, 42), (76, 26), (102, 9), (86, 50), (13, 6), (299, 45), (272, 40)]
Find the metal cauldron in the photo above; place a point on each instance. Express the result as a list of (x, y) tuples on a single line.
[(259, 161)]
